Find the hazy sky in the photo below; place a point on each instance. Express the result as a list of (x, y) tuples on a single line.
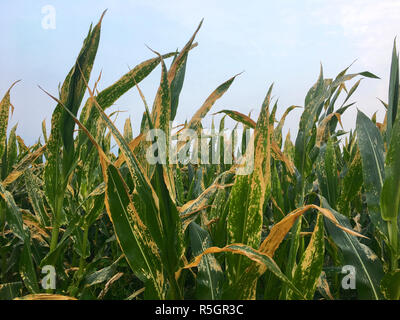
[(272, 41)]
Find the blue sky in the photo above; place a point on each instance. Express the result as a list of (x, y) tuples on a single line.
[(272, 41)]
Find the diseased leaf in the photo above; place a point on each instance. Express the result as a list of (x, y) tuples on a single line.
[(240, 117), (45, 296), (13, 214), (27, 269), (133, 236), (369, 271), (248, 194), (251, 254), (209, 277), (308, 271), (36, 197), (4, 114), (194, 123)]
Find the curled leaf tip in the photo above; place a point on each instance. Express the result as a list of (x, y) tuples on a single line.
[(102, 16), (15, 82)]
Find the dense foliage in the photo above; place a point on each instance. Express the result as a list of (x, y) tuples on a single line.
[(115, 226)]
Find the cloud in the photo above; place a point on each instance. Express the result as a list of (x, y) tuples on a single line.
[(370, 25)]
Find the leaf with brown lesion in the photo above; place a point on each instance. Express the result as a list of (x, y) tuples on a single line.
[(45, 296), (5, 105), (23, 165)]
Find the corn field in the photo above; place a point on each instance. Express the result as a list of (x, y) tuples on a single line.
[(315, 218)]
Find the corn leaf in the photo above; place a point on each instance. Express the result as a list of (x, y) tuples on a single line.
[(327, 173), (308, 271), (253, 255), (372, 155), (369, 271), (390, 285), (393, 104), (209, 277), (246, 200), (133, 236), (13, 214), (57, 169), (4, 114), (27, 269), (195, 122)]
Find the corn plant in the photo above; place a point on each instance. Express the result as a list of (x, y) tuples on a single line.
[(115, 225)]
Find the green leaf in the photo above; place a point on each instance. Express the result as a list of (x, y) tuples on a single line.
[(369, 270), (135, 240), (12, 152), (191, 209), (327, 172), (390, 195), (74, 86), (27, 269), (294, 246), (101, 275), (176, 87), (243, 289), (209, 276), (176, 73), (372, 155), (24, 164), (279, 127), (36, 197), (13, 214), (52, 257), (369, 75), (161, 120), (393, 93), (390, 285), (351, 184), (313, 106), (57, 169), (153, 205), (107, 97), (219, 211), (9, 291)]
